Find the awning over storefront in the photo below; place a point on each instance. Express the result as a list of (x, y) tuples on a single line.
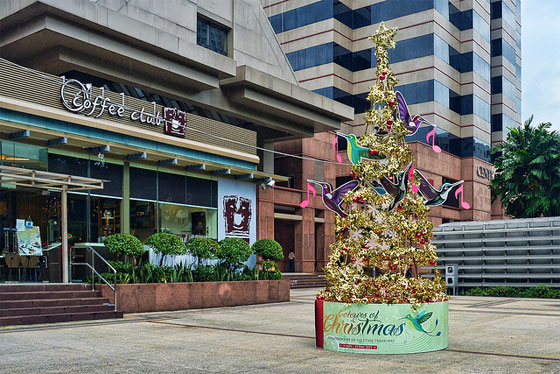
[(45, 180), (51, 181)]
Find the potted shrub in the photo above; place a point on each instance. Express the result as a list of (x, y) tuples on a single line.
[(125, 245), (270, 250), (166, 244), (233, 252), (203, 248)]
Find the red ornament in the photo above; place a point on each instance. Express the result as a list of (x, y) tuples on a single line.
[(391, 102), (373, 152), (432, 262), (384, 72), (382, 77), (399, 208), (378, 59), (390, 121)]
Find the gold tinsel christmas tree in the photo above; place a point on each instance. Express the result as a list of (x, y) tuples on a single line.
[(385, 237)]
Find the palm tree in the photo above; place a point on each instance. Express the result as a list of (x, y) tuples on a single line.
[(527, 178)]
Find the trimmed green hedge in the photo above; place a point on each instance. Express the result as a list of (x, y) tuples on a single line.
[(124, 244), (268, 249), (538, 292), (167, 244), (203, 248)]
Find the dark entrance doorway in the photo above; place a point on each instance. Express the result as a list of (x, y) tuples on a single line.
[(284, 233)]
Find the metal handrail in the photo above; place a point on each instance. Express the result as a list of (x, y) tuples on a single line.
[(95, 272)]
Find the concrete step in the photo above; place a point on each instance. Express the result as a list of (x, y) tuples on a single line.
[(60, 317), (308, 285), (306, 280), (35, 295), (24, 304), (15, 312), (39, 287), (46, 303)]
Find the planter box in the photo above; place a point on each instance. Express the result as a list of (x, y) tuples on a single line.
[(381, 328), (157, 297)]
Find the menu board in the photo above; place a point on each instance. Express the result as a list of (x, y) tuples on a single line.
[(29, 242)]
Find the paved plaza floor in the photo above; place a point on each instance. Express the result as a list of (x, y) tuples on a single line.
[(486, 335)]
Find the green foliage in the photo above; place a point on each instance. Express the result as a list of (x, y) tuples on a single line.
[(274, 274), (268, 249), (233, 252), (527, 178), (166, 244), (540, 291), (203, 248), (120, 266), (204, 274), (124, 244), (181, 274), (267, 265)]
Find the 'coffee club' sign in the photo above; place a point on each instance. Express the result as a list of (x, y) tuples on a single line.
[(78, 98)]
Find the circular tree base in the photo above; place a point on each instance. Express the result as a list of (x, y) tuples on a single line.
[(381, 328)]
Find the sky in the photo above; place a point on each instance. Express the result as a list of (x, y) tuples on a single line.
[(540, 54)]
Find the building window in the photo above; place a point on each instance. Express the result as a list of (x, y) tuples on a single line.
[(211, 36)]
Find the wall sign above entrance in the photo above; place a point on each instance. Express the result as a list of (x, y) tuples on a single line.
[(484, 173), (78, 98)]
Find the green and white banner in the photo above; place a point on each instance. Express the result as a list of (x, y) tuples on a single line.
[(381, 328)]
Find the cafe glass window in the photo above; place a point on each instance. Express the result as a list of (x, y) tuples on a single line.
[(187, 206), (143, 202), (187, 221)]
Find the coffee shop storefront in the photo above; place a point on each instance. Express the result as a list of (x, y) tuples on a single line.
[(108, 163)]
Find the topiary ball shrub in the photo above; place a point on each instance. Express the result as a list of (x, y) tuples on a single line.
[(166, 244), (233, 252), (203, 248), (124, 244), (268, 249)]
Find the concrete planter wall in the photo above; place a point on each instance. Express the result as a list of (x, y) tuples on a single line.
[(157, 297)]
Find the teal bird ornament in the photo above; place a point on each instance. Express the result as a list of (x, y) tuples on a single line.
[(356, 153), (416, 322)]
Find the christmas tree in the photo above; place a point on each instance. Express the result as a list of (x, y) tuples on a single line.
[(383, 234)]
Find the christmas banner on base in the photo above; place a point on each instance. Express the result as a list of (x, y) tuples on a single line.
[(381, 328)]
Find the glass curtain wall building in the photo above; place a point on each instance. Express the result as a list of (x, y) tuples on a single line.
[(458, 64)]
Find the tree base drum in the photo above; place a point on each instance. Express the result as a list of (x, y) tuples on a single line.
[(381, 328)]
